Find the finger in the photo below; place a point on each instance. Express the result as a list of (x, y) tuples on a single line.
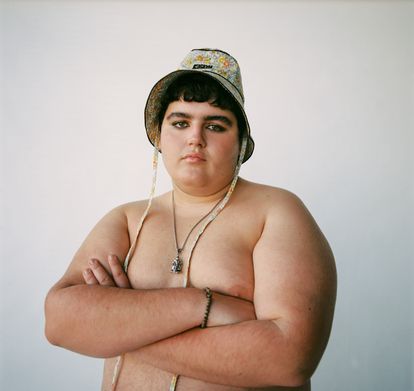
[(118, 274), (89, 277), (100, 273)]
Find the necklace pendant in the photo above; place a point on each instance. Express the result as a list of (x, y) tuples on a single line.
[(176, 265)]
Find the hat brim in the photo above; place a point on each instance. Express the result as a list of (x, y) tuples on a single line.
[(153, 105)]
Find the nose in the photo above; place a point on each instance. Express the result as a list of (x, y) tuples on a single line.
[(196, 136)]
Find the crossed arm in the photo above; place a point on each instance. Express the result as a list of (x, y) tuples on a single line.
[(194, 353), (294, 302), (102, 320)]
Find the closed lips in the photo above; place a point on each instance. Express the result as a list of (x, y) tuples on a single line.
[(194, 156)]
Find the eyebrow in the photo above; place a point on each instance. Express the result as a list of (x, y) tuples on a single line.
[(221, 118)]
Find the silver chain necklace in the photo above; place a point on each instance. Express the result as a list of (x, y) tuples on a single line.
[(177, 262)]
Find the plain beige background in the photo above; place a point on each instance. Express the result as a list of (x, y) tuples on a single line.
[(329, 94)]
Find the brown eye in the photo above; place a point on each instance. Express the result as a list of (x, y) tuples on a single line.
[(180, 124), (216, 128)]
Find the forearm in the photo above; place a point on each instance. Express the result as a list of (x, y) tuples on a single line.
[(107, 321), (248, 354)]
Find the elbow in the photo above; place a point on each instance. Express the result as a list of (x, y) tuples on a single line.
[(298, 378), (295, 371), (290, 378), (300, 369), (52, 328), (51, 334), (61, 330)]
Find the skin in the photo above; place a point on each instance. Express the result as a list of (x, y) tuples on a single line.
[(270, 268)]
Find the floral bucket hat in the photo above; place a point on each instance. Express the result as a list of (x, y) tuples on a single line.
[(214, 63)]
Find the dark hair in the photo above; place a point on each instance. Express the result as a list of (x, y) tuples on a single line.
[(196, 87)]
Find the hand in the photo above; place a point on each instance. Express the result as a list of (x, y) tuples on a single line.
[(96, 274)]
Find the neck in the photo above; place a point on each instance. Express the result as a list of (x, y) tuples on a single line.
[(183, 197)]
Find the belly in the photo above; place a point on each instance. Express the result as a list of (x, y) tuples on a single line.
[(137, 375)]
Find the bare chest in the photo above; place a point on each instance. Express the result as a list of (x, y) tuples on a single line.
[(222, 258)]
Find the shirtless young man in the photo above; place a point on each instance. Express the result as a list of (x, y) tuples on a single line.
[(268, 266)]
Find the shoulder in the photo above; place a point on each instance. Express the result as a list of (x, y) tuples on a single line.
[(275, 202), (274, 208), (119, 217), (132, 211), (117, 224), (260, 189)]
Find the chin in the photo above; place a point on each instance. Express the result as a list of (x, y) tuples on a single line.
[(200, 179), (192, 181)]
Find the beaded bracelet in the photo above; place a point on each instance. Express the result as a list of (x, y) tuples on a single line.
[(207, 311)]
